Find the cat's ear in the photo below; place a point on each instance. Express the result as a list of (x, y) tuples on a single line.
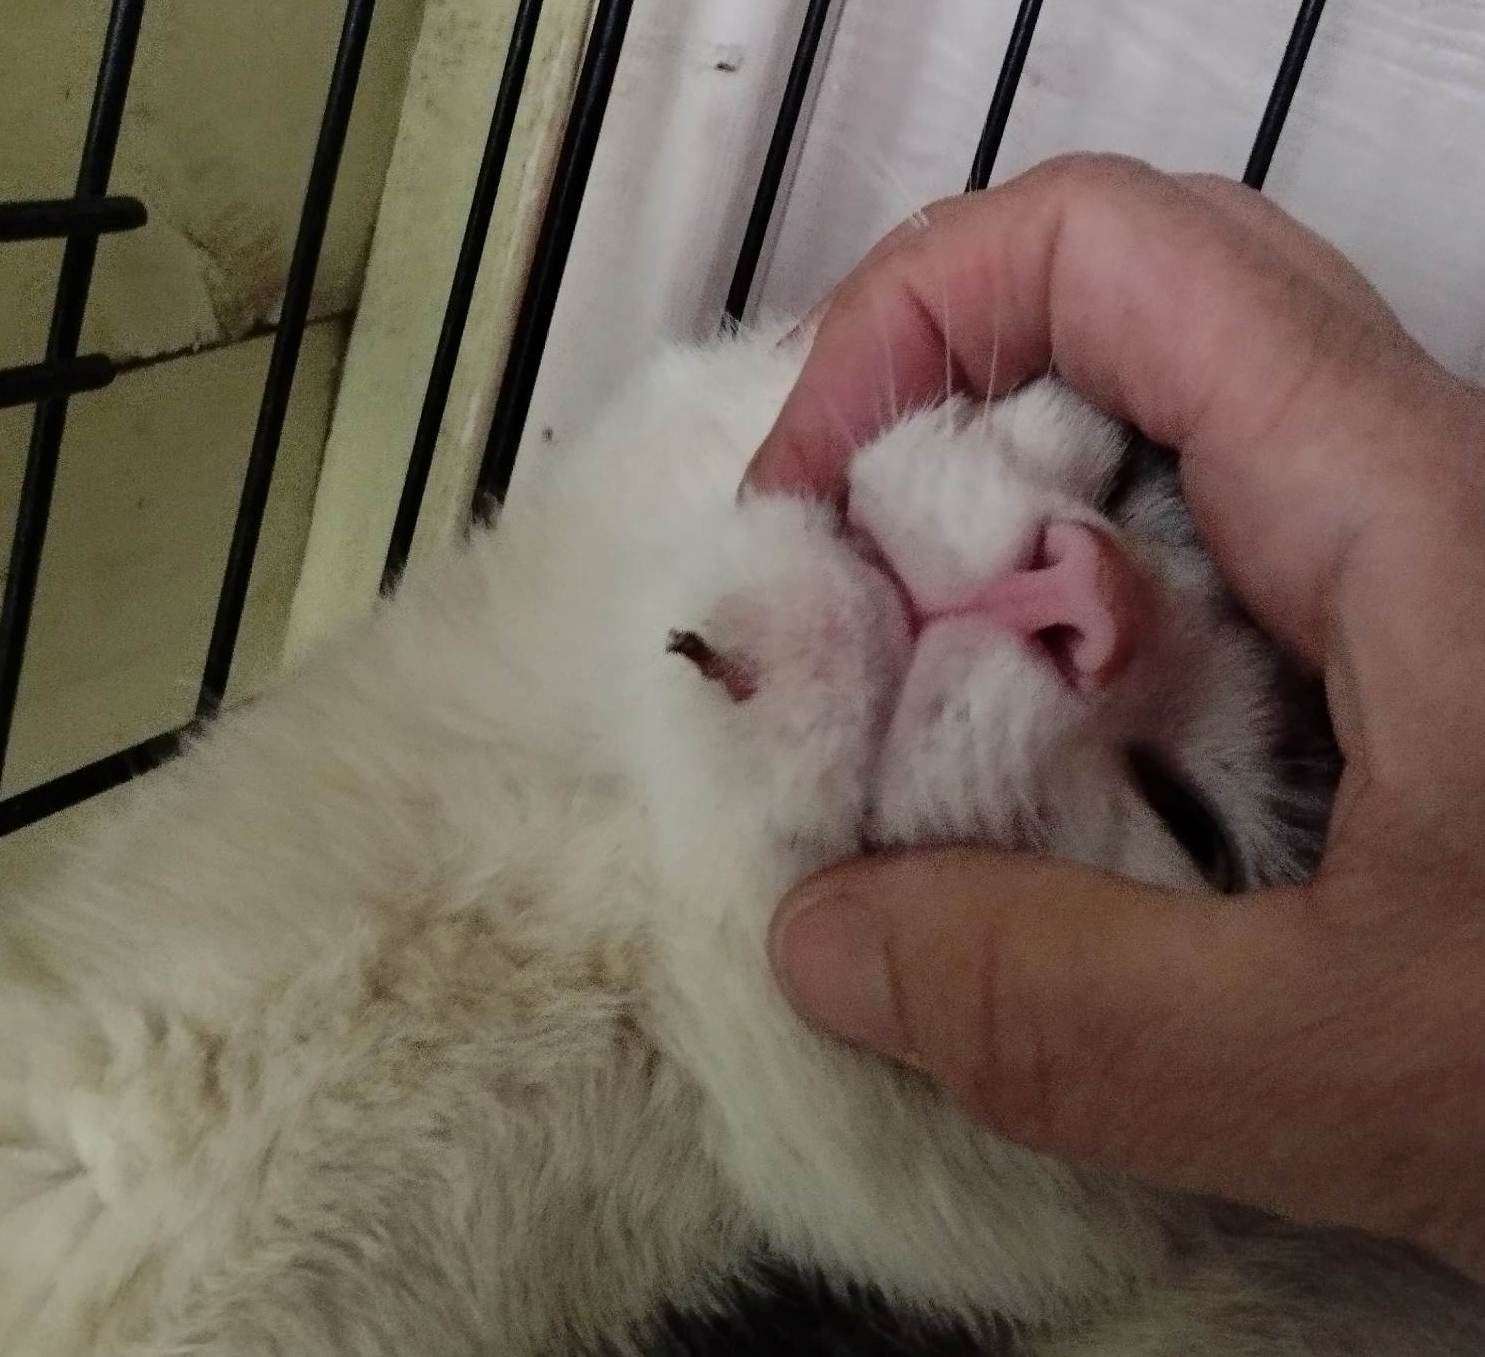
[(737, 674)]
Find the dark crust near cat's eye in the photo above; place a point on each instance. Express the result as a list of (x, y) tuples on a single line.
[(734, 675)]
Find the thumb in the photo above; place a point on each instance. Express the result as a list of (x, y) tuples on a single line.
[(1074, 1011)]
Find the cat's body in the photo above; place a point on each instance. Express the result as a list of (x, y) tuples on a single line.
[(423, 1008)]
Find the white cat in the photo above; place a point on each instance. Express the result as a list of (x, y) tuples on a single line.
[(422, 1008)]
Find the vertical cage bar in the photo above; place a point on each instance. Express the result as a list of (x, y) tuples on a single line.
[(298, 291), (553, 244), (776, 161), (461, 292), (1004, 96), (73, 283), (1282, 94)]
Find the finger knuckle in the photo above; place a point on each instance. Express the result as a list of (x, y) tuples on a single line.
[(1101, 171), (1011, 1073), (1221, 183)]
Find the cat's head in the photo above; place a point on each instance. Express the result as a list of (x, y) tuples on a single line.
[(1012, 637)]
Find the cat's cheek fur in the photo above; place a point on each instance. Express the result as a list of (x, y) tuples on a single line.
[(846, 1164), (424, 1007), (786, 770)]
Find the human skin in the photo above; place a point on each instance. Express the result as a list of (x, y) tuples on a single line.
[(1317, 1051)]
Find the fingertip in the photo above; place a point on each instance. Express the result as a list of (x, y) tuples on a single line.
[(787, 463), (829, 950)]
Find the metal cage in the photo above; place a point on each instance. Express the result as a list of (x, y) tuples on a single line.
[(92, 212)]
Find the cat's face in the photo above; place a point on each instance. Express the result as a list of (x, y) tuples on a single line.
[(1009, 639)]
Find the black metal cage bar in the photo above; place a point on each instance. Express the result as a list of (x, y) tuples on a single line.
[(1282, 94), (44, 381), (1006, 83), (73, 283), (298, 291), (92, 212), (770, 181), (553, 244), (113, 770), (461, 292), (60, 218)]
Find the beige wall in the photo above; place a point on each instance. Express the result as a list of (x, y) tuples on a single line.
[(217, 139), (145, 500), (219, 130)]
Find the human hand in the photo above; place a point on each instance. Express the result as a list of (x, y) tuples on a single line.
[(1319, 1051)]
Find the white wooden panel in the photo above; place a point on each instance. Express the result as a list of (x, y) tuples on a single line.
[(1384, 151), (687, 130), (455, 72)]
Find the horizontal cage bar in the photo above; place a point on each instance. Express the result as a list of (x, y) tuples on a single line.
[(61, 218), (102, 775), (46, 381)]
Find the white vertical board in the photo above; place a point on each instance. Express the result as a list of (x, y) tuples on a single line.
[(456, 68), (688, 126), (1384, 151)]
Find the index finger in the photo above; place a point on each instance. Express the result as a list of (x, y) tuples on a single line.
[(1113, 272)]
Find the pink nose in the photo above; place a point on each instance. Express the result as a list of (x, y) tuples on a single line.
[(1080, 598)]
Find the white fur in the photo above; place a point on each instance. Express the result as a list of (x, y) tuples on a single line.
[(422, 1008)]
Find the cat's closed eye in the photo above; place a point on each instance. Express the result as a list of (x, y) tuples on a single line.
[(1189, 818)]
